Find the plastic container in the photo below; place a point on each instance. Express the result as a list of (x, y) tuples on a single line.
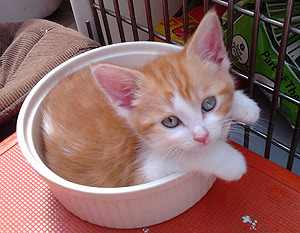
[(125, 207)]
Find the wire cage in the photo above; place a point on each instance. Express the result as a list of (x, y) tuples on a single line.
[(116, 21)]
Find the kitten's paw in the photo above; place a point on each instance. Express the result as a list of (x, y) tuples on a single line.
[(221, 160), (233, 168), (244, 109), (251, 114)]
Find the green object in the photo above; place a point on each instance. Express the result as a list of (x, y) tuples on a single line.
[(269, 38)]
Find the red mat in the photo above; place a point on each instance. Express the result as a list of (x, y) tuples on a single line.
[(266, 199)]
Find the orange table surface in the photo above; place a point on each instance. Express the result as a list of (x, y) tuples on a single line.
[(266, 199)]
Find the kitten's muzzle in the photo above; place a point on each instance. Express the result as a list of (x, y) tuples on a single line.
[(202, 139)]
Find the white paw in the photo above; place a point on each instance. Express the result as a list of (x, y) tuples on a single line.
[(244, 109), (251, 114), (233, 168)]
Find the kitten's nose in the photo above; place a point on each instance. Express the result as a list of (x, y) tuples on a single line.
[(202, 139)]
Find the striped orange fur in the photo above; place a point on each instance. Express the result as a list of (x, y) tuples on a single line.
[(102, 124)]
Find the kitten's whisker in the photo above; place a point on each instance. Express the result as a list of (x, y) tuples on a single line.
[(236, 131), (177, 153), (172, 153), (169, 152)]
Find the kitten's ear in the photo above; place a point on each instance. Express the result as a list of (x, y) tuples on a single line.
[(207, 42), (119, 84)]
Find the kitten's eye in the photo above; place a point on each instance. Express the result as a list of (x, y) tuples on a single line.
[(171, 122), (209, 103)]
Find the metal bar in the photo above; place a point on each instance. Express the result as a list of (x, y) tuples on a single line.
[(119, 21), (89, 29), (262, 17), (235, 72), (294, 143), (275, 142), (279, 69), (166, 20), (255, 29), (263, 86), (139, 26), (149, 20), (97, 25), (254, 38), (104, 19), (266, 87), (229, 28), (206, 5), (133, 20), (185, 20)]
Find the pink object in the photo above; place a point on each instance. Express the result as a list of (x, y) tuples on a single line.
[(202, 139)]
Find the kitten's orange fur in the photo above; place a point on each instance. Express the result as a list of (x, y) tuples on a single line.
[(80, 138), (165, 77), (88, 141), (114, 140)]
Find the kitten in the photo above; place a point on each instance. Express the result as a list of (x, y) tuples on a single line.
[(111, 126)]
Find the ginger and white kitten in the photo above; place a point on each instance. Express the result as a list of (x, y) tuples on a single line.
[(111, 126)]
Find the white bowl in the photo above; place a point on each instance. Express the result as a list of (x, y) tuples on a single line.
[(125, 207)]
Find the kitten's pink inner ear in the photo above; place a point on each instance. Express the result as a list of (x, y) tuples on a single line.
[(207, 42), (119, 83)]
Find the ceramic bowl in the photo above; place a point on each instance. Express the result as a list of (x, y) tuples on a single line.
[(125, 207)]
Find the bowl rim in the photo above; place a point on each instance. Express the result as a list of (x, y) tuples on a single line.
[(36, 162)]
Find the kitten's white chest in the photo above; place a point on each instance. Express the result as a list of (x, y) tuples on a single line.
[(153, 166)]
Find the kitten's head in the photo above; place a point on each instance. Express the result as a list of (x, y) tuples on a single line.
[(180, 100)]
